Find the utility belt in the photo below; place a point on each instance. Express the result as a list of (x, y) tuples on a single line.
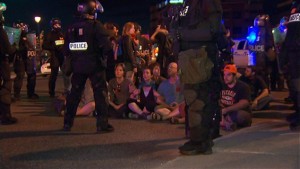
[(294, 17)]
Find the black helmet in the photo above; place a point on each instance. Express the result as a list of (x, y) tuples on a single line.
[(21, 25), (55, 24), (90, 7), (261, 20)]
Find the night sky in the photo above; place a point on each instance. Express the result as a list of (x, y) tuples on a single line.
[(118, 11)]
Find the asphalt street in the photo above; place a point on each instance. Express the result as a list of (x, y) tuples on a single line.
[(36, 141)]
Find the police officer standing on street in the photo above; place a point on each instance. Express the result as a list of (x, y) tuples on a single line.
[(54, 42), (87, 44), (291, 61), (197, 30), (5, 81), (24, 62)]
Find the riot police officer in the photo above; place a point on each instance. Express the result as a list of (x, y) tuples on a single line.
[(262, 45), (291, 60), (87, 43), (54, 42), (5, 81), (197, 29), (25, 61)]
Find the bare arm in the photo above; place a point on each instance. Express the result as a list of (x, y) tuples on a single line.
[(235, 107)]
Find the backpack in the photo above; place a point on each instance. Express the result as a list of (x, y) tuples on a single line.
[(195, 66)]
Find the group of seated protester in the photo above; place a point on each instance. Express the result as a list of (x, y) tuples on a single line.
[(240, 96), (160, 99), (155, 98)]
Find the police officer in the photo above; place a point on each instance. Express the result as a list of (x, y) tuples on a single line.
[(198, 29), (87, 43), (25, 61), (5, 81), (262, 45), (291, 60), (54, 42)]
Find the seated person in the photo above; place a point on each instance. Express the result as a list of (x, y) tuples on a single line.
[(172, 93), (86, 106), (144, 99), (235, 101), (157, 78), (260, 94), (119, 92)]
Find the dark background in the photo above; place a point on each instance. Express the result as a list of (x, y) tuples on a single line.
[(118, 11)]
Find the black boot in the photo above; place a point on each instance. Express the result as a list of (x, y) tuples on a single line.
[(194, 148), (102, 125)]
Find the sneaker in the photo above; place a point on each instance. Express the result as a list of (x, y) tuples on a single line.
[(107, 129), (194, 148), (133, 116), (9, 121), (33, 96)]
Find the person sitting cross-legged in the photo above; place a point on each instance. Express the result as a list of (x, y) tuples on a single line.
[(235, 101), (171, 90), (144, 99), (260, 94), (119, 89)]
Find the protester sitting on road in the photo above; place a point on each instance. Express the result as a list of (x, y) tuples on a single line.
[(145, 98), (171, 90), (119, 91), (157, 78), (260, 94), (86, 106), (235, 101)]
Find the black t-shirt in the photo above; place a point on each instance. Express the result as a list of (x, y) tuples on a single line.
[(257, 85), (230, 96)]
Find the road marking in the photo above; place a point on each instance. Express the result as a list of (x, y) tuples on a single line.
[(243, 152)]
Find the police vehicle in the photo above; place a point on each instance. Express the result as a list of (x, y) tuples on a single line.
[(241, 55)]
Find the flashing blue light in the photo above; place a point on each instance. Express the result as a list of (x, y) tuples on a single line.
[(251, 37), (252, 34)]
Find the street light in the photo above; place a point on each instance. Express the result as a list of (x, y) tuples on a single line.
[(37, 20)]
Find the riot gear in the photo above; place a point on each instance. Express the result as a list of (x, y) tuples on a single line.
[(54, 42), (291, 60), (25, 61), (87, 46), (261, 20), (198, 31), (5, 80), (260, 40), (90, 7), (55, 24)]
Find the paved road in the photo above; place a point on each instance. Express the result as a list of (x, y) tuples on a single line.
[(36, 142)]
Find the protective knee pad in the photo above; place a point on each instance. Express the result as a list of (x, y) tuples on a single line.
[(195, 113)]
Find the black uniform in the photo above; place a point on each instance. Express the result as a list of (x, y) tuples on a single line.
[(5, 81), (25, 61), (87, 44), (291, 60), (198, 32), (54, 42)]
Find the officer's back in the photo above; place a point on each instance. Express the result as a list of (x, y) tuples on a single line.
[(87, 40)]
